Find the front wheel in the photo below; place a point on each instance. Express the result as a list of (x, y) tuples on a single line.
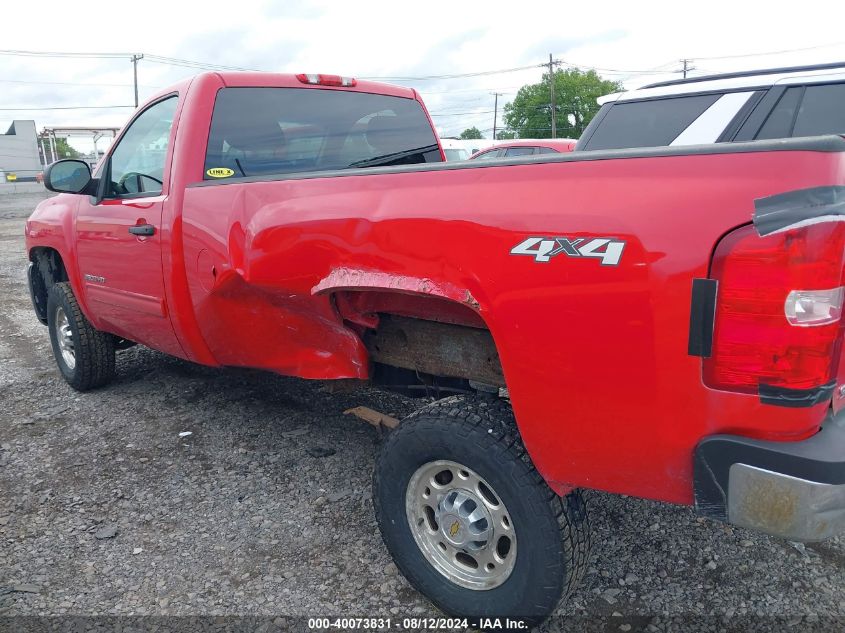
[(84, 355), (469, 521)]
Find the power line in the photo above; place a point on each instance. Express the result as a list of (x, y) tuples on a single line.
[(458, 75), (443, 92), (563, 62), (72, 83), (461, 113), (173, 61), (21, 53), (780, 52), (187, 63), (457, 107), (66, 108)]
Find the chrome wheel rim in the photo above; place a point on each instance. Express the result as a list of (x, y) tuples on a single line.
[(461, 525), (64, 337)]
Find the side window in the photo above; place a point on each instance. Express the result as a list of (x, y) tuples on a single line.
[(546, 150), (137, 163), (519, 151), (822, 111), (650, 123), (779, 122)]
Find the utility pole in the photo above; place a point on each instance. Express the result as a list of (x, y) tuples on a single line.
[(552, 90), (496, 96), (135, 60), (687, 66)]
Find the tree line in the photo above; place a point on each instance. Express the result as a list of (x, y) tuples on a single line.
[(529, 115)]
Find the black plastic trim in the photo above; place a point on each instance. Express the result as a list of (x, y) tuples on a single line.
[(754, 122), (797, 109), (701, 316), (588, 132), (40, 308), (793, 209), (741, 117), (745, 73), (827, 143), (820, 458), (795, 398), (47, 177)]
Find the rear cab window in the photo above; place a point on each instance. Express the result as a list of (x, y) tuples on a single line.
[(273, 131)]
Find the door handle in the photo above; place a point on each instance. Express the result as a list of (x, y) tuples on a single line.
[(142, 229)]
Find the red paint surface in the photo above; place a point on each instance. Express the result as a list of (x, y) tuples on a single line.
[(595, 357)]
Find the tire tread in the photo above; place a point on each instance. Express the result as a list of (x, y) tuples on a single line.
[(465, 415), (95, 357)]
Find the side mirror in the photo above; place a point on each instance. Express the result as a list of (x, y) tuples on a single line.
[(68, 176)]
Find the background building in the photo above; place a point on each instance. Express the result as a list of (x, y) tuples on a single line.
[(19, 151)]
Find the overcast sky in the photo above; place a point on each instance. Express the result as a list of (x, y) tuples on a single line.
[(629, 41)]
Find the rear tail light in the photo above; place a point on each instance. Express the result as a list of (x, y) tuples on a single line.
[(326, 80), (778, 309)]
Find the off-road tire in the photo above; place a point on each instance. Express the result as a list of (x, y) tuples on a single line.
[(552, 532), (93, 350)]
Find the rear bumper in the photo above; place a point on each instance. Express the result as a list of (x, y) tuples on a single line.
[(795, 490)]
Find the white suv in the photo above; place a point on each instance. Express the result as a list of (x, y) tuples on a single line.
[(742, 106)]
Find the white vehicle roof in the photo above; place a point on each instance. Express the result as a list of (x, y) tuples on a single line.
[(734, 81), (459, 143)]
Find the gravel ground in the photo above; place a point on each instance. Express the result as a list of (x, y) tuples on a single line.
[(264, 510)]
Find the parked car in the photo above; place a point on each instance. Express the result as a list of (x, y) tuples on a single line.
[(664, 324), (453, 149), (462, 149), (526, 147), (741, 106)]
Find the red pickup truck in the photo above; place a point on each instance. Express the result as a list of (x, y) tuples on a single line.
[(659, 322)]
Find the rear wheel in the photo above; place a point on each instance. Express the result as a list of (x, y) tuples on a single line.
[(84, 355), (469, 521)]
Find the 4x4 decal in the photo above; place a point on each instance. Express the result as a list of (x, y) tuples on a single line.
[(542, 249)]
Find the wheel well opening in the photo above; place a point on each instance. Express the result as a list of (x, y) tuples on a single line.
[(423, 345), (46, 269)]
